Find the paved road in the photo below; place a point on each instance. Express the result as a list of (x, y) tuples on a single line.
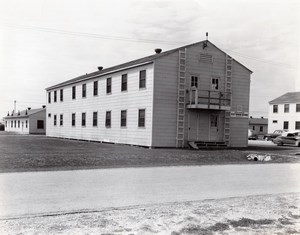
[(30, 193)]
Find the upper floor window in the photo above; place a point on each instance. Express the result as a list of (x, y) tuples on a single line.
[(108, 85), (49, 97), (142, 83), (73, 119), (61, 121), (215, 83), (83, 90), (275, 108), (275, 121), (297, 107), (61, 95), (55, 96), (194, 81), (108, 119), (261, 128), (95, 118), (123, 118), (124, 82), (95, 88), (73, 92), (141, 121), (286, 108)]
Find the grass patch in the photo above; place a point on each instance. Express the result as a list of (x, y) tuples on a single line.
[(246, 222)]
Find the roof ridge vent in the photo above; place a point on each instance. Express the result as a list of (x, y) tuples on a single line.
[(100, 68), (158, 50)]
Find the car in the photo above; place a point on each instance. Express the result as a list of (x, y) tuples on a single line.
[(252, 135), (289, 138), (273, 135)]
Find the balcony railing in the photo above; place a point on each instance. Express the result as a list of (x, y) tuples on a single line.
[(209, 99)]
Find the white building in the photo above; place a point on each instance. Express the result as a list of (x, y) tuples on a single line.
[(29, 121), (195, 93), (284, 112)]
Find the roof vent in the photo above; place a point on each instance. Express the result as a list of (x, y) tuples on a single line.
[(158, 50), (100, 68), (44, 106), (28, 108), (262, 117), (8, 113)]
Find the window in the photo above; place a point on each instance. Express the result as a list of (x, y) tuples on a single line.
[(286, 108), (73, 92), (26, 123), (73, 119), (124, 82), (83, 117), (297, 107), (108, 119), (95, 119), (285, 125), (18, 123), (142, 79), (40, 124), (55, 96), (297, 125), (83, 90), (11, 124), (194, 81), (15, 123), (261, 129), (253, 128), (95, 88), (123, 118), (275, 121), (141, 118), (61, 95), (61, 120), (215, 83), (54, 120), (5, 123), (49, 97), (108, 85), (275, 108)]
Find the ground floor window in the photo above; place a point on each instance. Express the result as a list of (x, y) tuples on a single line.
[(141, 117), (73, 119), (95, 118), (26, 123), (83, 116), (18, 123), (285, 125), (61, 121), (123, 118), (108, 119), (40, 124), (297, 125), (54, 120)]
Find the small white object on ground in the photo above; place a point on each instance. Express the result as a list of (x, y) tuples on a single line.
[(259, 157)]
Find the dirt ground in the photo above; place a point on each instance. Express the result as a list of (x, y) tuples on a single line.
[(39, 153), (265, 214)]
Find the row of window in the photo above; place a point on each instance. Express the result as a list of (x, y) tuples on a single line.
[(17, 124), (286, 124), (123, 119), (142, 84), (286, 108), (214, 82)]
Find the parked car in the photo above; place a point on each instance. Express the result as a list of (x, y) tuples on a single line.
[(273, 135), (252, 135), (290, 138)]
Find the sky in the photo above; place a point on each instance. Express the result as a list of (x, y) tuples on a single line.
[(45, 42)]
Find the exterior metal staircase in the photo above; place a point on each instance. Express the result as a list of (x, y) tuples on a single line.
[(181, 98)]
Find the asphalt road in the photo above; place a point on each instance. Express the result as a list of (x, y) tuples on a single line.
[(34, 193)]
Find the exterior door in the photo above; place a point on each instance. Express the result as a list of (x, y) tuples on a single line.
[(213, 127)]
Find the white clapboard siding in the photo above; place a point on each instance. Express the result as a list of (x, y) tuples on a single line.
[(131, 100)]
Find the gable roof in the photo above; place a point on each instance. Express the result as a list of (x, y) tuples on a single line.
[(133, 63), (290, 97), (23, 113)]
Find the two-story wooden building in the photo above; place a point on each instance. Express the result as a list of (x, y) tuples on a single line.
[(193, 93)]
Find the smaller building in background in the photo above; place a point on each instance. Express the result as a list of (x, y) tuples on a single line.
[(29, 121), (284, 112), (258, 126)]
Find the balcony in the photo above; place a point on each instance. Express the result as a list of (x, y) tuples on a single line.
[(203, 99)]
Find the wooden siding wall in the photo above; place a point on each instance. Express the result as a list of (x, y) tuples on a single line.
[(131, 100), (165, 101), (239, 132), (17, 129), (33, 123)]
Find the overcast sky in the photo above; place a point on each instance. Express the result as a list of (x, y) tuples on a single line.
[(45, 42)]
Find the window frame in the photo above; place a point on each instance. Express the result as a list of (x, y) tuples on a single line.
[(142, 119), (54, 119), (286, 108), (142, 79), (55, 97), (194, 81), (297, 125), (73, 92), (124, 79), (108, 119), (61, 120), (83, 93), (95, 119), (285, 125), (40, 124), (275, 108), (108, 85), (95, 88), (61, 95), (49, 97), (83, 119), (297, 108), (215, 84), (73, 120)]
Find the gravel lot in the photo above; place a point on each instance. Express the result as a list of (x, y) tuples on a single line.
[(38, 153)]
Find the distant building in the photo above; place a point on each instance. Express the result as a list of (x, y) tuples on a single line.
[(259, 126), (193, 93), (29, 121), (284, 112)]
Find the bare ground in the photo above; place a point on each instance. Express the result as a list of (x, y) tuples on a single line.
[(39, 153), (265, 214)]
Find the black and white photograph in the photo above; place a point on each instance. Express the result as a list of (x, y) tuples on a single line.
[(149, 117)]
